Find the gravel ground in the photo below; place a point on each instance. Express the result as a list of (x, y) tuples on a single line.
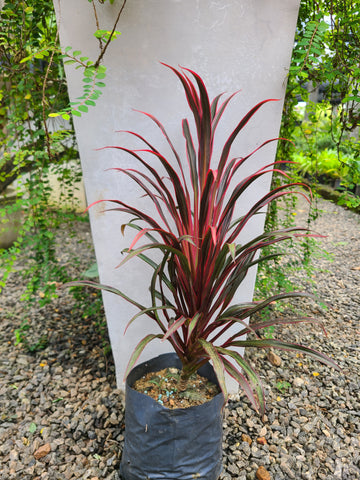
[(62, 416)]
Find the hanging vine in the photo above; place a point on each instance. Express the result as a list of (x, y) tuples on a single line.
[(325, 57), (36, 133)]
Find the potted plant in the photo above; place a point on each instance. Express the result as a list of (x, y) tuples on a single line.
[(192, 289)]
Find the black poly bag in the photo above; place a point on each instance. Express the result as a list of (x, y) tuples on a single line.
[(171, 444)]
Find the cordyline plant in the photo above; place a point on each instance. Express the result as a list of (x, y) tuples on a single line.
[(201, 267)]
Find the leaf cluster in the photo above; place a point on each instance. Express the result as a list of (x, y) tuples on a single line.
[(27, 39), (36, 134), (326, 52), (196, 228), (325, 58), (92, 84)]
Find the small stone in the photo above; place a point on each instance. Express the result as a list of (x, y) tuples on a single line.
[(261, 440), (245, 448), (233, 469), (262, 474), (14, 455), (286, 468), (274, 359), (342, 453), (22, 360), (250, 423), (263, 432), (298, 382), (42, 451), (246, 438)]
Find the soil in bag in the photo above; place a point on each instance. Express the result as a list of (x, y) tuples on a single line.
[(171, 443)]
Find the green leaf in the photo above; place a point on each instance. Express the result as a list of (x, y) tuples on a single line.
[(279, 344), (92, 271), (101, 69), (217, 364), (254, 379), (106, 288), (138, 350), (90, 102), (100, 33), (100, 84), (76, 53), (26, 59), (147, 311), (76, 113), (83, 108), (89, 72), (232, 249), (32, 427), (57, 400), (100, 76), (193, 324)]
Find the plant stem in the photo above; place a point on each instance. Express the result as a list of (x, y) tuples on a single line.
[(183, 381), (43, 101)]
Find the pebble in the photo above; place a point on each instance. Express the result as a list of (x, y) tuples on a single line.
[(246, 438), (274, 359), (262, 474), (42, 451), (63, 400), (298, 382)]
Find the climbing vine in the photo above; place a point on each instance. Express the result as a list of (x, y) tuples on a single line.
[(37, 139), (325, 68)]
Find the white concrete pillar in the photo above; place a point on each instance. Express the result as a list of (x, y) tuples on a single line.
[(232, 44)]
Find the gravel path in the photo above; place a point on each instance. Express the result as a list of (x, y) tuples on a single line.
[(62, 417)]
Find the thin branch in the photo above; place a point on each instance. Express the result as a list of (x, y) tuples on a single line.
[(101, 46), (43, 101), (97, 63)]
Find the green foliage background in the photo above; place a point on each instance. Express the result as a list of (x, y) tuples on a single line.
[(326, 136), (37, 139), (37, 136)]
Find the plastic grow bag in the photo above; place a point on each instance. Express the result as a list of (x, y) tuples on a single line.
[(171, 444)]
